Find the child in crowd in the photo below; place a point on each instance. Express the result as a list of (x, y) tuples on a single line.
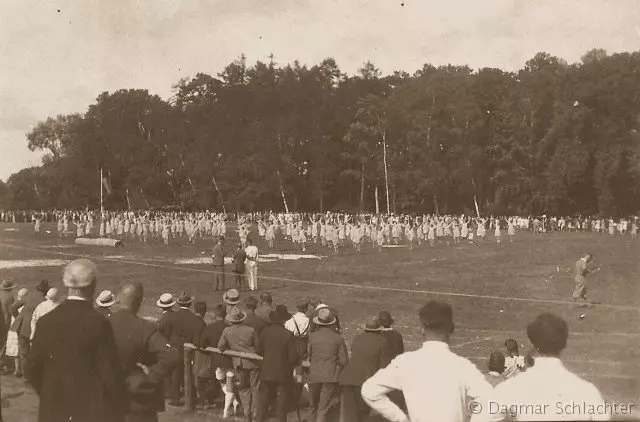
[(514, 363), (495, 368)]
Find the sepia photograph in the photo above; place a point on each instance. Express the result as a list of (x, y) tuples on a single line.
[(319, 210)]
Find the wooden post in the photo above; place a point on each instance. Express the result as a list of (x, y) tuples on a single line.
[(189, 382)]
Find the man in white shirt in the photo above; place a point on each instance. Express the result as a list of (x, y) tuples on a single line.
[(437, 384), (251, 265), (547, 391), (51, 300), (299, 322)]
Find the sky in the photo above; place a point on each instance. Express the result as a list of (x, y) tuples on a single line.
[(57, 56)]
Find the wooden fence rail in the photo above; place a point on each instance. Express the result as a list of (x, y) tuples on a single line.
[(189, 381)]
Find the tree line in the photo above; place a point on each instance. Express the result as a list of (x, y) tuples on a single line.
[(552, 138)]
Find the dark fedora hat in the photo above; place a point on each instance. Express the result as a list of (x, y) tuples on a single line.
[(185, 299), (280, 315), (373, 325), (43, 287), (385, 318)]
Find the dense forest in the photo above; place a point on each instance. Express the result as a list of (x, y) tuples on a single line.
[(552, 137)]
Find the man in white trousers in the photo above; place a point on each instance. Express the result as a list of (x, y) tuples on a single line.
[(251, 265)]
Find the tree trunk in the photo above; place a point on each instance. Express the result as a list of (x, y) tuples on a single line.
[(377, 202), (475, 197), (435, 201)]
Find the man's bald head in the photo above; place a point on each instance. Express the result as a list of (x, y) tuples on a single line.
[(131, 295), (79, 273), (80, 277)]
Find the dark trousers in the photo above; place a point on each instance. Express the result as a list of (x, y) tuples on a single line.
[(324, 399), (208, 389), (265, 398), (218, 277), (23, 350), (239, 281), (352, 406), (148, 416)]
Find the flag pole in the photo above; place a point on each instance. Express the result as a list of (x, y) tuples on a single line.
[(101, 193)]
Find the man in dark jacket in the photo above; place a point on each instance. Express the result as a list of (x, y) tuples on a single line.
[(369, 352), (22, 324), (238, 267), (253, 320), (73, 364), (327, 356), (145, 354), (166, 302), (278, 349), (394, 338), (6, 300), (217, 255), (184, 327), (207, 365)]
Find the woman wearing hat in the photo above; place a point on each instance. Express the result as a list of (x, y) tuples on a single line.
[(327, 356), (369, 352), (242, 338)]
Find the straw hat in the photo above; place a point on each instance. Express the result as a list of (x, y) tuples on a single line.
[(324, 317), (105, 299), (166, 300), (231, 296), (7, 284)]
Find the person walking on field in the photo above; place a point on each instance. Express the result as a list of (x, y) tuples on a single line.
[(239, 259), (580, 290), (217, 255), (251, 265)]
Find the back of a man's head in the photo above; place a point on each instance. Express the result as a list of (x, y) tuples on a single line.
[(131, 295), (251, 303), (548, 333), (436, 318), (496, 362), (219, 312), (200, 308), (265, 297), (80, 278)]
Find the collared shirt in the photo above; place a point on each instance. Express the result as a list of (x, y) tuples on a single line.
[(252, 253), (437, 384), (41, 310), (545, 392), (303, 324)]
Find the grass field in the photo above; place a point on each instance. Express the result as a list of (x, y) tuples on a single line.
[(495, 290)]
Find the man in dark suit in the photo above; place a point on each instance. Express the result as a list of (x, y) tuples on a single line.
[(278, 349), (369, 352), (22, 324), (73, 364), (252, 320), (184, 327), (327, 356), (6, 300), (394, 338), (238, 267), (166, 302), (208, 388), (265, 307), (217, 255), (145, 355)]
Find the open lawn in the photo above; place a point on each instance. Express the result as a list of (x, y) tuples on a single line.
[(495, 290)]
